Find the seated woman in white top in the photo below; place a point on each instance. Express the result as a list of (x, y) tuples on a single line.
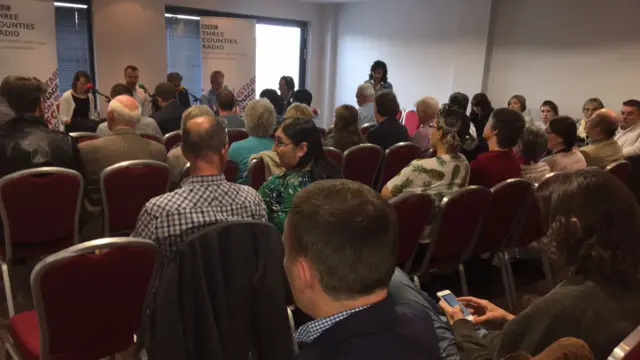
[(443, 174), (77, 106), (519, 103), (561, 134), (532, 147)]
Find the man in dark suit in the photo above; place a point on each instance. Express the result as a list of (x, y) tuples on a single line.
[(389, 130), (170, 114), (339, 269)]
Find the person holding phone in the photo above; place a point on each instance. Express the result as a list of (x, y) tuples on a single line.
[(592, 222)]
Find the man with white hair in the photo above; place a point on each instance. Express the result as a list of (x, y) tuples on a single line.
[(123, 144), (364, 96)]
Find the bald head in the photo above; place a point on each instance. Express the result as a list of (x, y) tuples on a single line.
[(202, 137), (603, 125), (123, 111)]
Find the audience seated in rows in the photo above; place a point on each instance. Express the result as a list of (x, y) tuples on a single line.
[(259, 117), (339, 272), (628, 135), (299, 148), (6, 113), (145, 125), (205, 198), (588, 109), (501, 133), (175, 158), (346, 133), (603, 149), (228, 110), (590, 218), (26, 141), (548, 110), (364, 98), (427, 109), (124, 144), (170, 113), (519, 103), (532, 147), (389, 131), (561, 134)]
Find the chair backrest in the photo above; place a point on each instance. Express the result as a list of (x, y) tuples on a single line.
[(509, 207), (361, 163), (172, 139), (90, 298), (323, 132), (84, 136), (456, 227), (40, 205), (396, 158), (236, 135), (629, 348), (231, 171), (334, 155), (620, 169), (256, 173), (411, 121), (530, 229), (364, 129), (413, 212), (126, 187), (152, 137), (400, 116)]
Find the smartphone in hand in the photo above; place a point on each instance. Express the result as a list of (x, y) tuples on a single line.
[(452, 300)]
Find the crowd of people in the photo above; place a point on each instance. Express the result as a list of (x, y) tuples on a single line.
[(340, 237)]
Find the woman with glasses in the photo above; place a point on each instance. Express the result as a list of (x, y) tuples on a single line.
[(561, 139), (299, 148), (588, 109)]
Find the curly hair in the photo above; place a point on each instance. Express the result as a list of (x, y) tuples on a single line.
[(260, 117), (593, 225)]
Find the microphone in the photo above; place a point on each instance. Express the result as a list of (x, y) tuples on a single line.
[(90, 86), (144, 88), (195, 98)]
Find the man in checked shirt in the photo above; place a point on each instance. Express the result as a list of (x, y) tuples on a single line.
[(205, 198)]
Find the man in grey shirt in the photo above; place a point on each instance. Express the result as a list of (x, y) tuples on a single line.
[(364, 96), (146, 124), (226, 100)]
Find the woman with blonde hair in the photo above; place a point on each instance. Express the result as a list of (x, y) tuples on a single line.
[(427, 109), (298, 110), (345, 129)]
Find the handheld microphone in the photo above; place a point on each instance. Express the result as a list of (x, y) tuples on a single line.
[(90, 86), (195, 98), (144, 88)]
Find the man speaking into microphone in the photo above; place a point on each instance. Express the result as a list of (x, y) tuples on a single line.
[(182, 93), (140, 93)]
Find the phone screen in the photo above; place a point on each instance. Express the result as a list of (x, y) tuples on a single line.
[(453, 302)]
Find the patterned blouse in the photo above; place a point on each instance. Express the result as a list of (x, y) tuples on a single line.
[(278, 193)]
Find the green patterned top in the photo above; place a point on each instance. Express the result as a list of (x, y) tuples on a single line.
[(278, 193)]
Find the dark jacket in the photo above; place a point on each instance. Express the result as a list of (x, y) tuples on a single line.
[(183, 98), (27, 142), (382, 331), (222, 296), (388, 133), (169, 117)]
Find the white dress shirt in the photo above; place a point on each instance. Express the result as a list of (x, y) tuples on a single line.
[(629, 140)]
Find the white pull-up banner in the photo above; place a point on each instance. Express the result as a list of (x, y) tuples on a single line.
[(28, 47), (229, 45)]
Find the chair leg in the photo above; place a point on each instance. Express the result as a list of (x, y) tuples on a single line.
[(463, 280), (547, 269), (512, 281), (7, 288), (502, 261)]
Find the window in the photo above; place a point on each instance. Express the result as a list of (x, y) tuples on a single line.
[(72, 41), (288, 37)]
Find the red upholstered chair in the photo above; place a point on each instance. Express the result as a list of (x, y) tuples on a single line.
[(126, 187), (455, 230), (236, 135), (84, 136), (620, 169), (629, 348), (257, 173), (413, 212), (411, 121), (400, 116), (89, 301), (334, 155), (152, 137), (364, 129), (323, 132), (172, 139), (40, 209), (396, 158), (231, 171), (361, 163)]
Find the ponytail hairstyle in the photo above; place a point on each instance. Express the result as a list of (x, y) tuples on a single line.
[(303, 130), (454, 125)]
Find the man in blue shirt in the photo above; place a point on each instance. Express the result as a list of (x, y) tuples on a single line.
[(217, 82)]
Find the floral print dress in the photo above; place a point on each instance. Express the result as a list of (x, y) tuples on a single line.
[(278, 193)]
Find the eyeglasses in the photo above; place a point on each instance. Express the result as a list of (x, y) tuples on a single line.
[(281, 145)]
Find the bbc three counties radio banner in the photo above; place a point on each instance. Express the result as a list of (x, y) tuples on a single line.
[(28, 47), (229, 45)]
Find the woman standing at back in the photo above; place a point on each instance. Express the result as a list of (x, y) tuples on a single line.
[(378, 77), (345, 129)]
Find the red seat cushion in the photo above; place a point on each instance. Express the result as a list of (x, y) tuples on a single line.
[(26, 334)]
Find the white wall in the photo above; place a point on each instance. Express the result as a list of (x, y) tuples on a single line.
[(432, 47), (566, 51), (133, 32)]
